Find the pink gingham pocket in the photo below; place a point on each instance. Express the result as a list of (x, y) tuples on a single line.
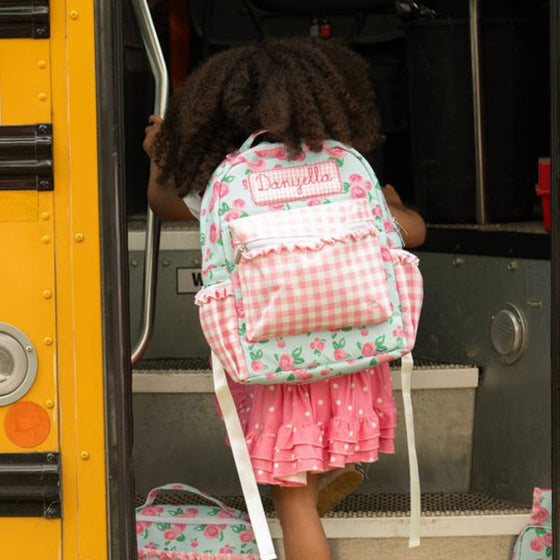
[(300, 279), (218, 318), (410, 287)]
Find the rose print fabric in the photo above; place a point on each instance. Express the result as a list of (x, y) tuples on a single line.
[(295, 251), (535, 540), (294, 429), (193, 532)]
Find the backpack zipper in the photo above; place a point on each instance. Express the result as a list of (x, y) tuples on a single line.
[(262, 242)]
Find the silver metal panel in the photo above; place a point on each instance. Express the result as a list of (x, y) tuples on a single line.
[(177, 332), (511, 450)]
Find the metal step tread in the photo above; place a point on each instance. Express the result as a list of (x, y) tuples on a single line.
[(386, 515), (192, 375)]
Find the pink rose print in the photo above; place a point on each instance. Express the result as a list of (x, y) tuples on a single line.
[(364, 332), (385, 254), (239, 309), (225, 514), (226, 549), (377, 211), (191, 512), (257, 365), (339, 354), (357, 192), (281, 343), (352, 362), (141, 525), (548, 540), (314, 202), (151, 545), (537, 495), (238, 203), (540, 515), (398, 332), (194, 543), (286, 362), (278, 206), (235, 282), (325, 371), (246, 536), (278, 153), (213, 234), (317, 344), (272, 375), (221, 188), (335, 152), (213, 199), (235, 157), (211, 531), (388, 224), (303, 375), (151, 510), (231, 215), (537, 544), (171, 534), (259, 165), (312, 365), (368, 350)]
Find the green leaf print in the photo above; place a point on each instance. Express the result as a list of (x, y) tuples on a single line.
[(548, 551), (223, 209), (340, 162), (228, 178), (540, 531), (237, 528), (291, 377), (380, 344), (256, 355), (181, 538), (163, 526), (242, 329), (199, 527), (346, 329), (346, 187), (340, 344), (373, 362)]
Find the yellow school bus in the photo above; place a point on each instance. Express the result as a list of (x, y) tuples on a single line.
[(67, 483)]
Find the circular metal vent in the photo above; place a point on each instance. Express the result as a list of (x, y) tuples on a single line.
[(508, 333), (18, 364)]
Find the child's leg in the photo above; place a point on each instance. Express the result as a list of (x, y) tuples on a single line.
[(304, 536)]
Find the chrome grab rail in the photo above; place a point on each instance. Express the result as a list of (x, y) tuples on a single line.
[(481, 201), (153, 226)]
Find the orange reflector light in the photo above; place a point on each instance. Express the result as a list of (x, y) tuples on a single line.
[(27, 424)]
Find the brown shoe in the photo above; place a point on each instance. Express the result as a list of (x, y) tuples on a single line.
[(335, 485)]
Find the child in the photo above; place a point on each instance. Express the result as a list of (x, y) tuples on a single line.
[(301, 92)]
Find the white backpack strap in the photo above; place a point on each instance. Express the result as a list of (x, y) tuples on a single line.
[(415, 506), (242, 462)]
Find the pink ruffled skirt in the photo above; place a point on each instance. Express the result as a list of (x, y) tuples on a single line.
[(295, 429)]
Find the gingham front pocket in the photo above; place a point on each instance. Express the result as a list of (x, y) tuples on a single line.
[(293, 284), (218, 318)]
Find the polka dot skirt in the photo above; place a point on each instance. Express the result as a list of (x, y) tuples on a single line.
[(295, 429)]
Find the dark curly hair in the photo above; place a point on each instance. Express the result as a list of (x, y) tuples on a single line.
[(299, 90)]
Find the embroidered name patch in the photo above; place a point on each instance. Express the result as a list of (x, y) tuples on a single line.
[(285, 184)]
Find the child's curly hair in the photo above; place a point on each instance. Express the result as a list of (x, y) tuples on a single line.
[(299, 90)]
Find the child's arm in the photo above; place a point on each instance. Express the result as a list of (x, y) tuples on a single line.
[(162, 197), (413, 228)]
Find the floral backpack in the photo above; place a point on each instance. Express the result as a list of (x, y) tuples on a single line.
[(304, 272), (535, 540)]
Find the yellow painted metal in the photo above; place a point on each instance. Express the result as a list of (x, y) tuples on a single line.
[(27, 270), (78, 299), (54, 81)]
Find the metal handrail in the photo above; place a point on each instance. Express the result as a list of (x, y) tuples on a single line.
[(481, 200), (153, 226)]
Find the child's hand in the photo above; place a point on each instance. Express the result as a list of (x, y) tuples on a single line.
[(152, 131), (391, 196)]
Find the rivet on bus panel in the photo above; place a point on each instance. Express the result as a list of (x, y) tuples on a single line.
[(48, 341), (47, 294), (42, 64), (45, 215), (74, 14), (79, 237), (84, 455), (42, 96), (49, 403), (46, 239)]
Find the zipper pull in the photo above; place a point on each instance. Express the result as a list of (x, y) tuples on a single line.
[(239, 253)]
